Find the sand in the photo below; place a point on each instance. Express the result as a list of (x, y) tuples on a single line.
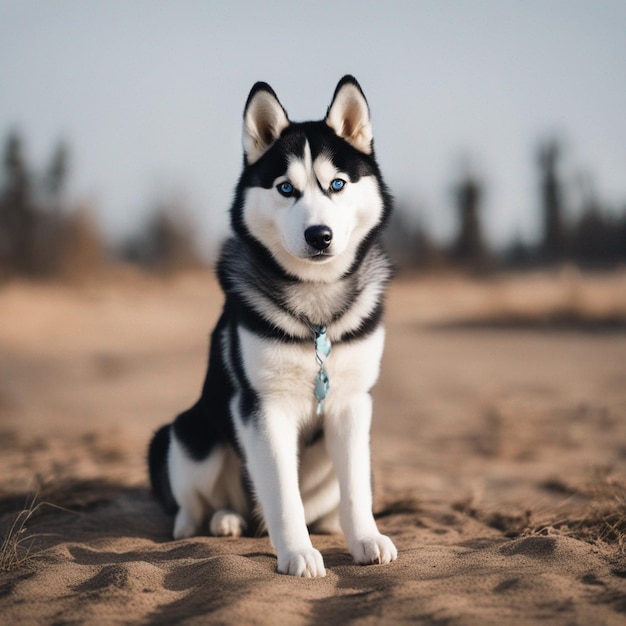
[(499, 450)]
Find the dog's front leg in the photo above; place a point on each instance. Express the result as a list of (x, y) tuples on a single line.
[(270, 442), (348, 440)]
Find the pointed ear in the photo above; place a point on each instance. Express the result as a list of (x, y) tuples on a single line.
[(263, 120), (349, 115)]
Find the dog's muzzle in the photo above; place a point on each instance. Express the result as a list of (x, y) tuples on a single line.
[(319, 237)]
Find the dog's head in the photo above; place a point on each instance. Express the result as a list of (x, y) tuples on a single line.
[(311, 193)]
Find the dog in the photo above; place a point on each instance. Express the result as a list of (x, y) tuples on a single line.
[(281, 430)]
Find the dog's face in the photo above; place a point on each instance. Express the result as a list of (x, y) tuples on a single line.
[(311, 192)]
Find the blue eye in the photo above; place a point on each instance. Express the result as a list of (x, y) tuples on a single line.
[(337, 184), (285, 189)]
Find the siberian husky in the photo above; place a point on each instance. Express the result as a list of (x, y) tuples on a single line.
[(281, 431)]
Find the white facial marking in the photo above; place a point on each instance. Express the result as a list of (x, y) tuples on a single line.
[(300, 171), (325, 171), (279, 223)]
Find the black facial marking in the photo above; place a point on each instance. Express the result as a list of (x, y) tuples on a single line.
[(322, 141)]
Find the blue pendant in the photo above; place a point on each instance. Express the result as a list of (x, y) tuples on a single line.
[(322, 343), (322, 385), (322, 350)]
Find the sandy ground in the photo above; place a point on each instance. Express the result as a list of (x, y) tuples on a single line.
[(499, 446)]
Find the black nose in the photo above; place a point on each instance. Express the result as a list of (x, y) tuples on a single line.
[(318, 237)]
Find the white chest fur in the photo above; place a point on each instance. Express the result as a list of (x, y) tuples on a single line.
[(286, 372)]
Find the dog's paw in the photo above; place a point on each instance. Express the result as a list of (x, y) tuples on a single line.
[(225, 523), (374, 549), (306, 563)]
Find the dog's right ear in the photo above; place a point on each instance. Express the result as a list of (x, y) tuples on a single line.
[(264, 119)]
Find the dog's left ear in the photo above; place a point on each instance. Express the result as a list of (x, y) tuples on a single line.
[(264, 119), (349, 115)]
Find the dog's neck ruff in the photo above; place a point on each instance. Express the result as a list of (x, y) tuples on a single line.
[(280, 307), (322, 350)]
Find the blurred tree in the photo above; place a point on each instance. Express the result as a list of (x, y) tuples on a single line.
[(590, 240), (553, 243), (56, 175), (52, 223), (469, 247), (428, 255), (620, 235), (82, 250), (17, 211), (518, 255), (39, 236), (165, 244)]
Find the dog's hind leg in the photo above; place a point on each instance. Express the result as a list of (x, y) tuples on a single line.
[(193, 483), (227, 523), (190, 516), (320, 489), (328, 524)]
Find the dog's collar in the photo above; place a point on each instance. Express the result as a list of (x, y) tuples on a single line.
[(322, 350)]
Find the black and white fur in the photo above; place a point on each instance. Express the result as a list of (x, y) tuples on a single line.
[(305, 251)]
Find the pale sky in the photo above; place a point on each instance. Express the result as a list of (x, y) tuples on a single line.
[(149, 95)]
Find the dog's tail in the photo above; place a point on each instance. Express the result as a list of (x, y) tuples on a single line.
[(159, 473)]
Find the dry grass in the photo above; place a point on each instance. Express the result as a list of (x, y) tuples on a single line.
[(68, 495), (605, 523), (604, 518), (17, 543), (601, 519)]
